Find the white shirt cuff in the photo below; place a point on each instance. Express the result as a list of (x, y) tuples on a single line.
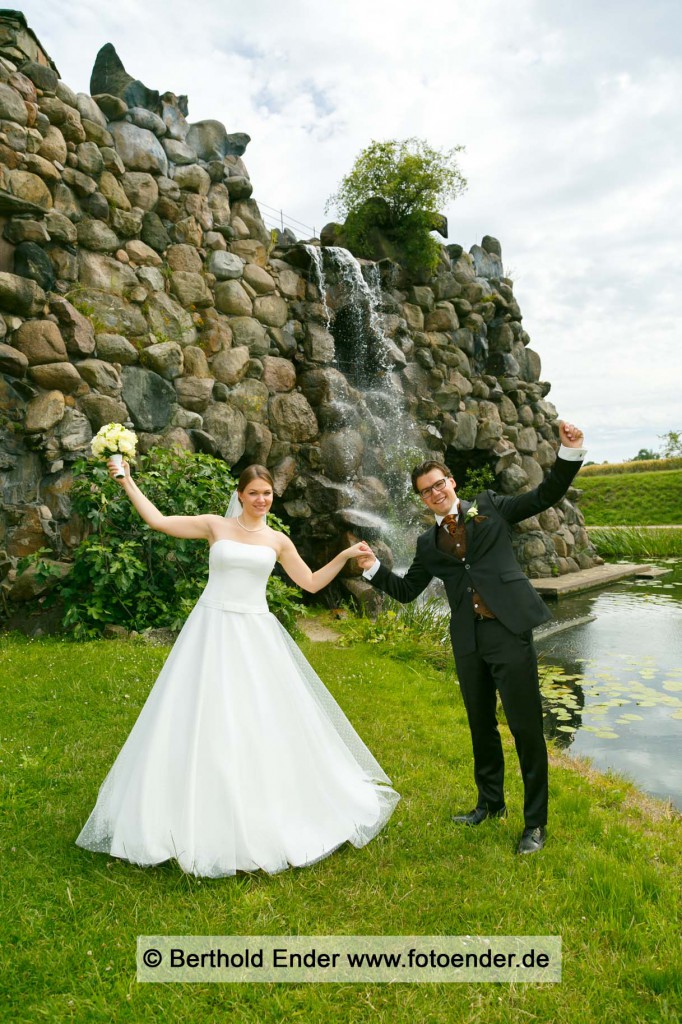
[(372, 571), (571, 454)]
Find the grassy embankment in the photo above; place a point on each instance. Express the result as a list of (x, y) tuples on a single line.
[(627, 496), (608, 881)]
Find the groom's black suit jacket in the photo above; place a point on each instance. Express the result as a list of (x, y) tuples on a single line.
[(490, 566)]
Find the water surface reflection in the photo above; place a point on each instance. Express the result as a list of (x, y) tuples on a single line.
[(620, 698)]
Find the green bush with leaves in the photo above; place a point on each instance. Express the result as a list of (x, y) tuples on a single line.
[(398, 187), (127, 574), (475, 481)]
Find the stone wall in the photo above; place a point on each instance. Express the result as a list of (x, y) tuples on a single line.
[(138, 283)]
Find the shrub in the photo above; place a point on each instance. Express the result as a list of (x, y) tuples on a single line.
[(127, 574), (397, 187)]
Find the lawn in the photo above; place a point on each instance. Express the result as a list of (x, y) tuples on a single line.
[(608, 881), (631, 499)]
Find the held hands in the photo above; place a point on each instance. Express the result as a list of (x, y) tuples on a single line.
[(363, 554), (570, 435)]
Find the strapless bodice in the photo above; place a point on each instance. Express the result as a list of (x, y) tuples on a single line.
[(237, 577)]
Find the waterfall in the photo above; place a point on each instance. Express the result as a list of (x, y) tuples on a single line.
[(364, 354)]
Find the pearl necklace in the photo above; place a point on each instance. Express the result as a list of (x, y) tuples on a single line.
[(248, 529)]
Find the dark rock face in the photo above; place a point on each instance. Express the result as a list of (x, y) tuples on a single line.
[(148, 396), (109, 76), (33, 262)]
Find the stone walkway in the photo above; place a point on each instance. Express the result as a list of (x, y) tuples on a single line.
[(590, 579)]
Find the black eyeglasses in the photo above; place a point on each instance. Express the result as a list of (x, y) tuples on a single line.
[(437, 487)]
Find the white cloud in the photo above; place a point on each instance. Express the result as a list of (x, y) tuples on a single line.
[(570, 116)]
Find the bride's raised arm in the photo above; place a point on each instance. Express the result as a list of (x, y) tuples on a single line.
[(185, 527), (303, 575)]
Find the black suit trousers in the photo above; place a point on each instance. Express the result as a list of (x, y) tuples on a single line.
[(505, 662)]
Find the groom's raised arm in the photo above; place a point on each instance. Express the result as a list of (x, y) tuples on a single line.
[(569, 460), (402, 588)]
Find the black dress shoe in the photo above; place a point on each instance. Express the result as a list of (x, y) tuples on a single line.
[(478, 815), (532, 839)]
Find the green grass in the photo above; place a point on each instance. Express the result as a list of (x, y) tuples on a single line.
[(608, 881), (637, 542), (632, 499)]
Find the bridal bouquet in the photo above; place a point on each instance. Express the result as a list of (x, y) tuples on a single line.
[(115, 440)]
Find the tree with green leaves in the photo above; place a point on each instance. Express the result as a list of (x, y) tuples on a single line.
[(397, 188), (645, 455), (672, 444)]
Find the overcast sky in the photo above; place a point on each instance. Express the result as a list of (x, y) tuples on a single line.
[(571, 119)]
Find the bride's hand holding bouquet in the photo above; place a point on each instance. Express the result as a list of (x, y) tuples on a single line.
[(114, 440)]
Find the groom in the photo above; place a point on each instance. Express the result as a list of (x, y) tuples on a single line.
[(494, 609)]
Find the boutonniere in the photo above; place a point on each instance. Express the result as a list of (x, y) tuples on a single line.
[(472, 513)]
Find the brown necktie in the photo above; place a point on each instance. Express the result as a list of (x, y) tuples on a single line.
[(457, 546)]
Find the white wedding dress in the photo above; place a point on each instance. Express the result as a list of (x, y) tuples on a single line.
[(240, 759)]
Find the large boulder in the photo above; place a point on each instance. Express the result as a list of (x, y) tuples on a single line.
[(227, 425), (97, 236), (138, 148), (251, 396), (230, 366), (101, 409), (168, 320), (191, 289), (149, 398), (62, 377), (31, 188), (278, 374), (44, 412), (116, 349), (74, 431), (210, 141), (12, 362), (109, 76), (31, 261), (53, 147), (259, 279), (225, 266), (101, 376), (165, 359), (105, 274), (20, 295), (113, 192), (76, 329), (230, 297), (247, 331), (12, 106), (112, 312), (194, 393), (184, 258), (141, 189), (41, 342), (291, 418), (271, 310), (341, 453), (193, 178), (319, 344)]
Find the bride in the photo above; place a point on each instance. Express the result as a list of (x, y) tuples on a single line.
[(240, 758)]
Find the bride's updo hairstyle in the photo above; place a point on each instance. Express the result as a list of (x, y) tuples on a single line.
[(254, 472)]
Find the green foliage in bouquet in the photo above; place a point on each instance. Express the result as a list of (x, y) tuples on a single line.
[(127, 574)]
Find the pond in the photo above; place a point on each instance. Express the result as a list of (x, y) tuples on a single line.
[(618, 697)]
